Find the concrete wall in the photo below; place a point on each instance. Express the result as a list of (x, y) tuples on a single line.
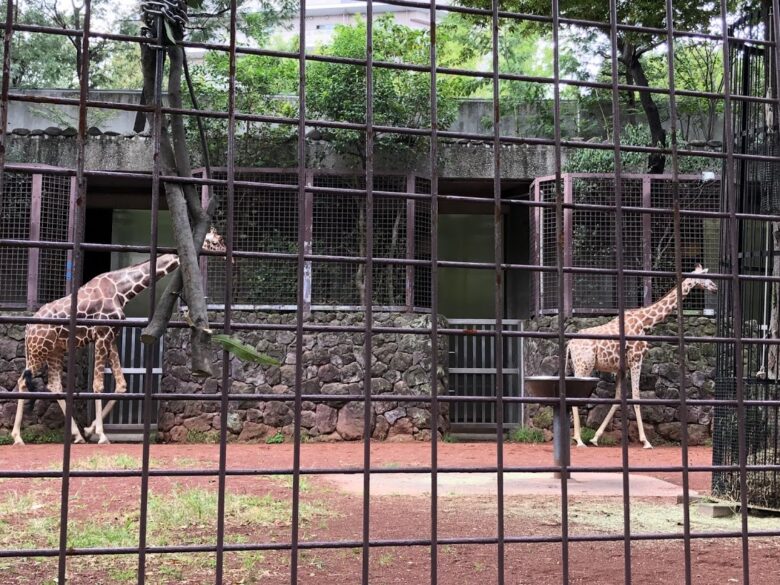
[(660, 379), (333, 364)]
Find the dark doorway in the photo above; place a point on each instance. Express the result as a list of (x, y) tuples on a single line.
[(98, 231)]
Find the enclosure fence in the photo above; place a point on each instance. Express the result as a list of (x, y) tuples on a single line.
[(369, 242)]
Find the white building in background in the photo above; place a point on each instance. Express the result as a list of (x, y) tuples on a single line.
[(322, 16)]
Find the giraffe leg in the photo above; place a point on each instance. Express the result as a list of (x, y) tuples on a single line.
[(121, 384), (610, 414), (577, 435), (102, 353), (636, 370), (55, 385), (16, 433)]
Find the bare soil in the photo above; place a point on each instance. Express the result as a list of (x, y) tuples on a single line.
[(109, 504)]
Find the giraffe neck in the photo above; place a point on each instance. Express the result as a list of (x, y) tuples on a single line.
[(133, 280), (661, 309)]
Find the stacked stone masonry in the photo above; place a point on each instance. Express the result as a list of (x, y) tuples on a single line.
[(333, 365), (660, 379)]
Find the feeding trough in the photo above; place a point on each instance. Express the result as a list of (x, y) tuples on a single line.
[(549, 387)]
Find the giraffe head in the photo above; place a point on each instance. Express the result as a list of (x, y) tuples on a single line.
[(703, 283), (214, 242)]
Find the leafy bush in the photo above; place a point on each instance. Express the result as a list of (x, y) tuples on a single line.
[(526, 435), (275, 439)]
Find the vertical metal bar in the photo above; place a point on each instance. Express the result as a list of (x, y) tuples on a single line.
[(368, 288), (647, 233), (731, 197), (678, 278), (434, 156), (34, 254), (410, 188), (568, 244), (78, 233), (72, 211), (621, 301), (5, 85), (536, 250), (498, 257), (564, 444), (299, 316), (521, 368), (228, 293), (157, 121), (308, 235)]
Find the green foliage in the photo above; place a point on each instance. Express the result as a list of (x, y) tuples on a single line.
[(526, 435), (401, 98), (543, 418), (209, 437), (275, 439), (587, 160), (244, 352), (586, 434)]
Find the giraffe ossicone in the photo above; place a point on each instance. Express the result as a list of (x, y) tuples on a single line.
[(104, 297), (603, 355)]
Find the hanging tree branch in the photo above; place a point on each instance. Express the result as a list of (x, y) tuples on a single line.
[(183, 203)]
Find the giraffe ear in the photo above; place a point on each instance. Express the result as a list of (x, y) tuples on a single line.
[(699, 268)]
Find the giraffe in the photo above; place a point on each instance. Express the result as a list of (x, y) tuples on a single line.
[(103, 297), (603, 354)]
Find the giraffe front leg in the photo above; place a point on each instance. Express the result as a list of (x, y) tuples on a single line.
[(636, 370), (102, 353), (610, 414), (55, 385), (16, 433), (577, 435)]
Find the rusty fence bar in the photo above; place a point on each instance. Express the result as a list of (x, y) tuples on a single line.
[(562, 206)]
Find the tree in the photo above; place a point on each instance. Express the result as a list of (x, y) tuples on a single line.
[(632, 47), (54, 61), (190, 221)]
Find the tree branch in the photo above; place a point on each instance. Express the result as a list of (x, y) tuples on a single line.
[(189, 271)]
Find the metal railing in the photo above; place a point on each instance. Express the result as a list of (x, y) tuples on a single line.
[(730, 215)]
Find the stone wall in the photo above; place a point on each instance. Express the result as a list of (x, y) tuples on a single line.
[(660, 379), (333, 365), (46, 416)]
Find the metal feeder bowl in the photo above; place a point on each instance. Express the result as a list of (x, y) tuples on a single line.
[(549, 387)]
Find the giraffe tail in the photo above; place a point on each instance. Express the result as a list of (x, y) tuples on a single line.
[(27, 375)]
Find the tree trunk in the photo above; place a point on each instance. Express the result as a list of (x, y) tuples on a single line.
[(656, 161), (181, 206)]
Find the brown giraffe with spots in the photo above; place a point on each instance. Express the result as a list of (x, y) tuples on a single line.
[(103, 297), (603, 354)]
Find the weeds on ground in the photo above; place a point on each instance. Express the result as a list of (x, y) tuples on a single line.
[(209, 437), (526, 435), (275, 439)]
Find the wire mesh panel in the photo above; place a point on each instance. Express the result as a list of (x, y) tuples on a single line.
[(55, 225), (647, 238), (15, 222)]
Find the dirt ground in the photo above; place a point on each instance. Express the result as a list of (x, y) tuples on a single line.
[(182, 510)]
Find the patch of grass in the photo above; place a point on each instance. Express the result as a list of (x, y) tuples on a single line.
[(275, 439), (608, 441), (391, 465), (386, 559), (526, 435), (91, 533), (6, 440), (587, 433), (251, 559), (287, 481), (181, 511), (448, 438), (123, 574), (208, 437), (93, 462), (39, 436)]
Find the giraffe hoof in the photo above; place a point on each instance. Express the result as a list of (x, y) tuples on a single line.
[(104, 440), (648, 445), (581, 444), (594, 441), (78, 439), (18, 441)]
